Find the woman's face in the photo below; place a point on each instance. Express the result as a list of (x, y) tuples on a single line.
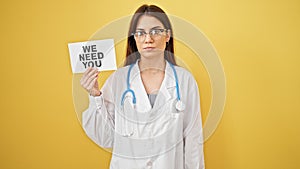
[(154, 42)]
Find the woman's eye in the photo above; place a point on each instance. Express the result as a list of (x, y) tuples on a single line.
[(140, 33), (154, 32)]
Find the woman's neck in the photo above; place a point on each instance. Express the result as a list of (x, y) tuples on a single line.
[(152, 64)]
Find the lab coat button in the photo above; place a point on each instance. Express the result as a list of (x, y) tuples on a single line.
[(149, 163)]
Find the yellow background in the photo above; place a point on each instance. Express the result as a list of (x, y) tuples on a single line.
[(258, 44)]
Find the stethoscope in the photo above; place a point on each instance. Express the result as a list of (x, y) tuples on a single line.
[(179, 104)]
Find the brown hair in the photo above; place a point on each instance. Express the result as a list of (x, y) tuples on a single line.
[(132, 53)]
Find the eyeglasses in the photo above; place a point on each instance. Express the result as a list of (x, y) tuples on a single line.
[(154, 33)]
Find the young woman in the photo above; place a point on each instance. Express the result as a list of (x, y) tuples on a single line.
[(149, 110)]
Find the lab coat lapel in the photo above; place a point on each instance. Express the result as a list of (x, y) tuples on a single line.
[(136, 84), (166, 89), (165, 93)]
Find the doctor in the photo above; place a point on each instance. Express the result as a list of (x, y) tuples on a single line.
[(148, 111)]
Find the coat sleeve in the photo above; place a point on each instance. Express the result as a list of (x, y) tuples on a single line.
[(98, 120), (193, 132)]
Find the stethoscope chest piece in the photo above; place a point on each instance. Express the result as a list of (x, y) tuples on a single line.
[(179, 106)]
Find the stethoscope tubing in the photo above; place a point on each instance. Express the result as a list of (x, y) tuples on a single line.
[(129, 90)]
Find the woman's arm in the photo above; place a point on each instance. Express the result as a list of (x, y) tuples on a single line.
[(194, 156), (193, 133), (98, 119)]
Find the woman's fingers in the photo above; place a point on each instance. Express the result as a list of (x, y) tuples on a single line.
[(90, 83), (92, 73), (87, 74), (87, 70), (89, 78), (90, 86)]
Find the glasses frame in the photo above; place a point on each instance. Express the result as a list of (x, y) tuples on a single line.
[(151, 33)]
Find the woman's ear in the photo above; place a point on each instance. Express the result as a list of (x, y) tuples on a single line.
[(168, 35)]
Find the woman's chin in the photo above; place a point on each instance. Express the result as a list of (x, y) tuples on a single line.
[(151, 54)]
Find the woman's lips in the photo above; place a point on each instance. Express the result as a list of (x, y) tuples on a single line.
[(148, 48)]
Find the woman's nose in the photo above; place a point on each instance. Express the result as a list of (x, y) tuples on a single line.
[(148, 38)]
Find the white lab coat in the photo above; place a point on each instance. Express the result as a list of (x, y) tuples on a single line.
[(101, 123)]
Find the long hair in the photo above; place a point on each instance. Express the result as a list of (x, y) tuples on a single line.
[(132, 53)]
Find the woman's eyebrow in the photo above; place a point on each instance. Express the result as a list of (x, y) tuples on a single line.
[(155, 27)]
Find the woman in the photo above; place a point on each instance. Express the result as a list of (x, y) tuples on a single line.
[(148, 111)]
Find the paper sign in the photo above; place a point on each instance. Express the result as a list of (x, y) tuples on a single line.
[(98, 53)]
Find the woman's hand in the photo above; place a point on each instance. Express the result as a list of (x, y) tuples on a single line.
[(89, 81)]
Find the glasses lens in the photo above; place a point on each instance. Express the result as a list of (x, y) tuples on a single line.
[(139, 34), (154, 33)]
